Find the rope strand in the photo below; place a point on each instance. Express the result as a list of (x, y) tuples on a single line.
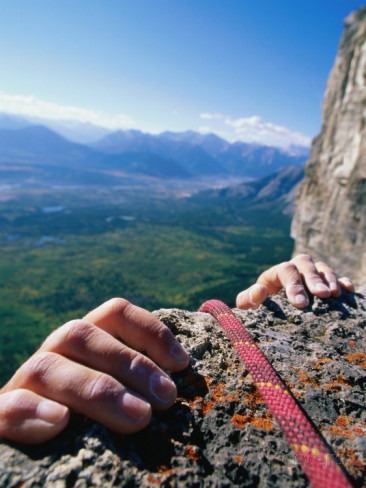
[(304, 439)]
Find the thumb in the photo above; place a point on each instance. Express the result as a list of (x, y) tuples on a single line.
[(251, 297), (30, 418)]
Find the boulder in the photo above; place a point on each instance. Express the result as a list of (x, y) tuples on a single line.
[(219, 433)]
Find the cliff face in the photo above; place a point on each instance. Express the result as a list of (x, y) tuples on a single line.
[(330, 217), (219, 433)]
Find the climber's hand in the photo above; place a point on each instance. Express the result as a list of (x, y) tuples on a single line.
[(299, 277), (83, 366)]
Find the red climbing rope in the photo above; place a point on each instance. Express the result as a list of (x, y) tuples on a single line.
[(309, 447)]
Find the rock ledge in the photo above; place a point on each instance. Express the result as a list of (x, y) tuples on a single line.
[(220, 433)]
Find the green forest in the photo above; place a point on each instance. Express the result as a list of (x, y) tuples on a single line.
[(64, 252)]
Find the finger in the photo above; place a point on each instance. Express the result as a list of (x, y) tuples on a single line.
[(329, 278), (310, 275), (140, 330), (252, 297), (86, 344), (92, 393), (30, 418), (287, 276), (347, 284)]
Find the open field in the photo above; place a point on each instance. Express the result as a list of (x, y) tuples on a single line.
[(64, 252)]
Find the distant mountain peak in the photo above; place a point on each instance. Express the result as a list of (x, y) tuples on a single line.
[(189, 153)]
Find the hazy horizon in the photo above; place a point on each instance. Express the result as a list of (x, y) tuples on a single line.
[(247, 72)]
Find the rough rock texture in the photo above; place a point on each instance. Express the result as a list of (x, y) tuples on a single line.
[(330, 217), (219, 433)]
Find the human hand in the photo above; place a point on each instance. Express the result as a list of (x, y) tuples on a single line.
[(83, 367), (299, 277)]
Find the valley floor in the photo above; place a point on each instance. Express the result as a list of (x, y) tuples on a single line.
[(64, 251)]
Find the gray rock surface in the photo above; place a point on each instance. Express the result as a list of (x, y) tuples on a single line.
[(330, 217), (220, 433)]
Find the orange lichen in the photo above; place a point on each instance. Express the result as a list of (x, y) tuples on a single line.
[(305, 378), (350, 458), (238, 459), (191, 452), (352, 343), (335, 385), (165, 471), (342, 421), (239, 420), (151, 478), (346, 428), (332, 387), (258, 422), (216, 395), (294, 385), (357, 358), (323, 359), (206, 407), (264, 423), (252, 399), (318, 365)]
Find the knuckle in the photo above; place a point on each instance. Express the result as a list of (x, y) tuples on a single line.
[(324, 269), (303, 257), (9, 403), (287, 267), (163, 333), (73, 334), (157, 332), (294, 289), (76, 332), (137, 365), (118, 305), (100, 387), (36, 369)]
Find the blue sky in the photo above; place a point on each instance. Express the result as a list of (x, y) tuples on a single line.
[(252, 70)]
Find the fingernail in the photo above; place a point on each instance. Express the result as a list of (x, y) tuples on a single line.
[(163, 389), (50, 411), (333, 286), (178, 353), (301, 300), (347, 281), (256, 295), (134, 407), (321, 288), (251, 298)]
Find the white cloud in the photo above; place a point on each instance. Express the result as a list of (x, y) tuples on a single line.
[(255, 130), (33, 107), (211, 116)]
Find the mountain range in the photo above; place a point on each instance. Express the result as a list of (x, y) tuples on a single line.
[(35, 153), (273, 192)]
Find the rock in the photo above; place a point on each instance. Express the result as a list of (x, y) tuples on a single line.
[(219, 433), (330, 217)]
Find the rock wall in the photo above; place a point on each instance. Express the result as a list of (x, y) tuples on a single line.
[(219, 433), (330, 217)]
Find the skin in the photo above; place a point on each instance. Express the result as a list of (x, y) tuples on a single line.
[(300, 278), (108, 365)]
